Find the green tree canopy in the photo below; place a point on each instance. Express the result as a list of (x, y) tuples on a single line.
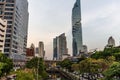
[(113, 73), (66, 64), (37, 64), (6, 64)]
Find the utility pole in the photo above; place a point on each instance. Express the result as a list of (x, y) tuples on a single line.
[(38, 69)]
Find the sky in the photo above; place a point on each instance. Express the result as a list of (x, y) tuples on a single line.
[(50, 18)]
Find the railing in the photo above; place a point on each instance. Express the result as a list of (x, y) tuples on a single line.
[(66, 74)]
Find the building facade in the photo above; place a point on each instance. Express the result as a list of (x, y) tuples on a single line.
[(84, 49), (76, 28), (30, 53), (16, 14), (41, 50), (59, 47), (3, 26)]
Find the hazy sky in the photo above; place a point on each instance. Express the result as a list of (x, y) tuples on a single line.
[(50, 18)]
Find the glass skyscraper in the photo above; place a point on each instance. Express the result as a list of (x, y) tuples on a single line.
[(76, 28)]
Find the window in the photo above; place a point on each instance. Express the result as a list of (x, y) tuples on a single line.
[(2, 30), (6, 50), (9, 26), (7, 45), (1, 46), (9, 9), (9, 22), (7, 40), (8, 31), (8, 13), (8, 35), (1, 35), (10, 5), (2, 0), (11, 1), (8, 17), (1, 40)]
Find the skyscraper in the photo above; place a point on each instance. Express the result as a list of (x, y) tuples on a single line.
[(59, 47), (16, 14), (76, 28), (41, 49)]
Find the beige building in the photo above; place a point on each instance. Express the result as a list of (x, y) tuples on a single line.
[(3, 25), (41, 51)]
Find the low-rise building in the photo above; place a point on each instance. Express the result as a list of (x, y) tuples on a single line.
[(30, 53), (64, 56)]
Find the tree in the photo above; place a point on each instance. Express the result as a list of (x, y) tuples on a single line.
[(66, 64), (111, 51), (6, 64), (2, 65), (113, 73), (75, 67), (40, 67), (92, 68), (117, 56)]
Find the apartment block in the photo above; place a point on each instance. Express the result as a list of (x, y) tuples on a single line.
[(3, 25)]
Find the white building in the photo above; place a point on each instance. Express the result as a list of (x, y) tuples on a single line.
[(111, 41), (85, 49), (64, 56), (3, 26)]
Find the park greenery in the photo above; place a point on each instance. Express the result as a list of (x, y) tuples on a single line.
[(37, 65), (6, 65), (34, 70), (24, 74), (103, 65)]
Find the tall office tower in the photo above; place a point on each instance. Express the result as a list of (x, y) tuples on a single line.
[(111, 42), (59, 47), (76, 28), (41, 50), (16, 13), (3, 26)]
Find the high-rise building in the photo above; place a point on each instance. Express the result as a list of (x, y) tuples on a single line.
[(76, 28), (111, 42), (41, 49), (59, 47), (3, 26), (16, 14)]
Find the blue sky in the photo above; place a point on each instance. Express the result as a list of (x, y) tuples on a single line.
[(50, 18)]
